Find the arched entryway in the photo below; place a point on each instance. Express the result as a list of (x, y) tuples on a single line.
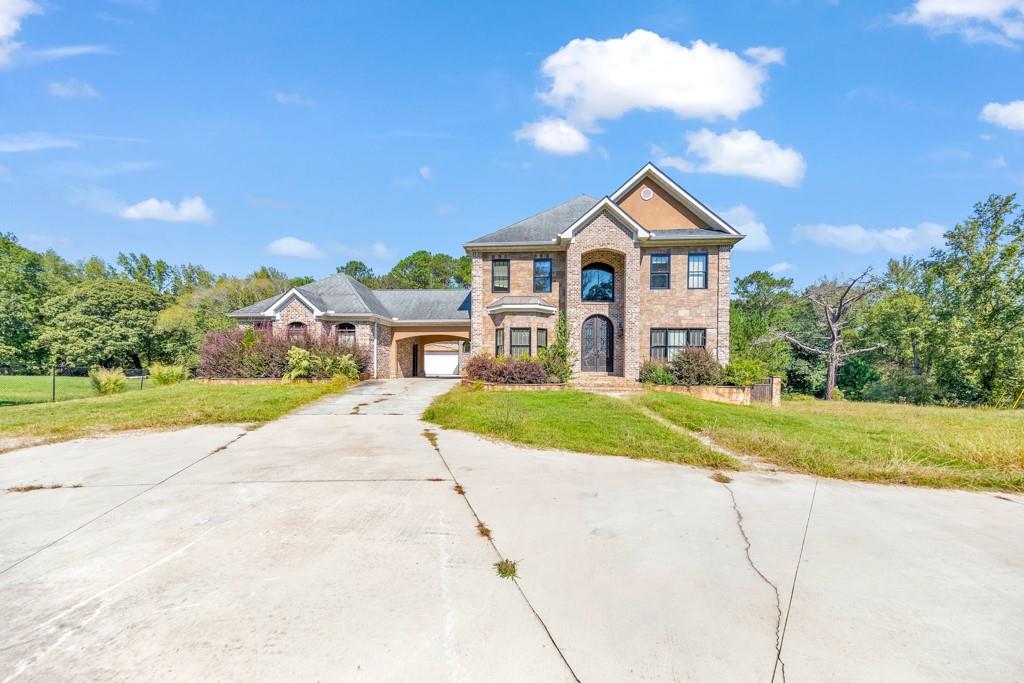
[(597, 353)]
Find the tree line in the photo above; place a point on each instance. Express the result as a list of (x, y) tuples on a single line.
[(139, 310), (947, 328)]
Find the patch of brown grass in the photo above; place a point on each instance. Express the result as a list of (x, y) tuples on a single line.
[(459, 490), (483, 530)]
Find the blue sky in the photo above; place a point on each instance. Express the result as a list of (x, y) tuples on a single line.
[(840, 134)]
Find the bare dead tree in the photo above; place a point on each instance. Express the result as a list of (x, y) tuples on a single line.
[(836, 301)]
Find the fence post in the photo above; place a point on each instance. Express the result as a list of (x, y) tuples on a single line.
[(53, 383)]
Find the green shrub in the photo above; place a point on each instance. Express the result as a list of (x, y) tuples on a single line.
[(743, 372), (557, 358), (163, 375), (903, 389), (694, 366), (656, 372), (304, 364), (106, 381)]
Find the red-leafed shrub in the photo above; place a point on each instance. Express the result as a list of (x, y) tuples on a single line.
[(246, 353), (506, 370)]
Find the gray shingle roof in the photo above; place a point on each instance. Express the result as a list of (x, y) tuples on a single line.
[(519, 301), (542, 227), (689, 233), (343, 295)]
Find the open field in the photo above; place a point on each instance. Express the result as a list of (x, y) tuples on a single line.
[(180, 405), (22, 389), (571, 421), (923, 446)]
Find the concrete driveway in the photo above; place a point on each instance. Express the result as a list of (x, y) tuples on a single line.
[(331, 545)]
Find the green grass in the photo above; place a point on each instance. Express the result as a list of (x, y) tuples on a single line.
[(180, 405), (22, 389), (568, 420), (922, 446)]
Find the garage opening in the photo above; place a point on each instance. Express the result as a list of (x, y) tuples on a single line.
[(441, 359)]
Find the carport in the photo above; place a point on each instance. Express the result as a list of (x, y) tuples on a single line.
[(434, 351)]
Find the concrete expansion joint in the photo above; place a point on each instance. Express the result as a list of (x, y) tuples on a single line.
[(796, 573), (54, 542), (431, 436), (775, 589)]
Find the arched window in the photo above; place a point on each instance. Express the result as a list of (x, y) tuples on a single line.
[(347, 334), (296, 331), (598, 282)]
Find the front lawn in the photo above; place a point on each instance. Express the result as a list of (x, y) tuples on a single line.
[(924, 446), (180, 405), (568, 420), (21, 389)]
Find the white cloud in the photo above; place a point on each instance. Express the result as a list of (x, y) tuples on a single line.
[(89, 171), (780, 267), (189, 210), (743, 218), (12, 12), (590, 80), (376, 250), (999, 161), (554, 135), (740, 152), (766, 55), (426, 172), (52, 54), (30, 142), (293, 246), (1009, 115), (975, 21), (292, 99), (446, 209), (72, 88), (857, 239)]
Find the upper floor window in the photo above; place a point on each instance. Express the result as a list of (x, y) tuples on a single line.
[(347, 334), (661, 271), (597, 282), (541, 275), (499, 275), (296, 331), (697, 273)]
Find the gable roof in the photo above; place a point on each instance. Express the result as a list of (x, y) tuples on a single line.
[(714, 221), (611, 207), (343, 295), (540, 228)]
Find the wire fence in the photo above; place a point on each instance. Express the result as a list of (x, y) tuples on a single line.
[(21, 385)]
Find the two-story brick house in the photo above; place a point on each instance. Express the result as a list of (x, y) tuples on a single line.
[(638, 273)]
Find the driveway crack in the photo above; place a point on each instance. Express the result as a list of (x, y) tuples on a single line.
[(431, 436), (778, 596)]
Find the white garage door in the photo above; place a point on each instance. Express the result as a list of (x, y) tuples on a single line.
[(440, 363)]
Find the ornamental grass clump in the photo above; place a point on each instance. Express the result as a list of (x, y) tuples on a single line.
[(164, 375), (107, 381)]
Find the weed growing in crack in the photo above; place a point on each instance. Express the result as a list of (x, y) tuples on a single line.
[(721, 478), (506, 569), (483, 530), (430, 436), (37, 487), (459, 490), (435, 479)]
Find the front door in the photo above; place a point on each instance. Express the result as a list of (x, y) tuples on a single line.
[(597, 355)]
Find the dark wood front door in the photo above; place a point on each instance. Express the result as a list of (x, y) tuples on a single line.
[(598, 350)]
